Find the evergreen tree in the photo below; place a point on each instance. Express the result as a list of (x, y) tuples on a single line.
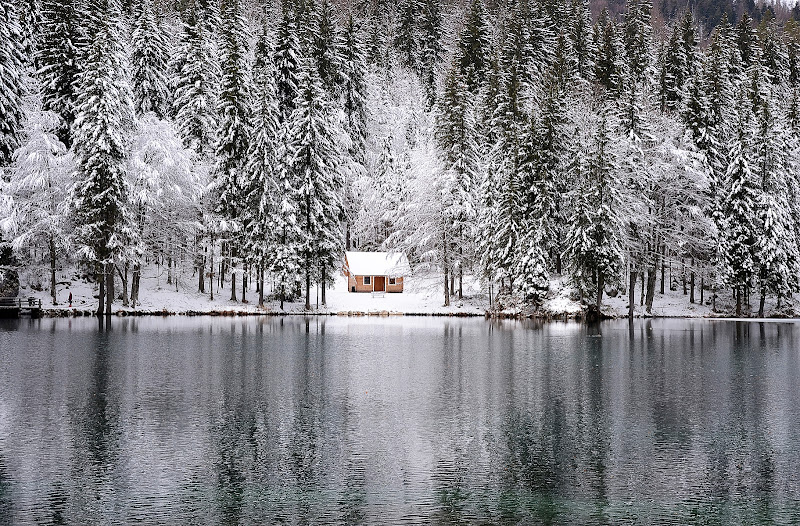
[(405, 34), (474, 46), (458, 142), (103, 114), (739, 209), (261, 191), (60, 46), (287, 57), (776, 250), (637, 37), (11, 83), (593, 242), (430, 46), (581, 36), (233, 110), (195, 85), (149, 61), (325, 48), (608, 66), (314, 165)]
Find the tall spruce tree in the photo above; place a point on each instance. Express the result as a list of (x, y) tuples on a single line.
[(232, 143), (11, 81), (594, 244), (314, 165), (103, 114), (58, 60), (149, 61), (261, 192), (195, 83), (287, 58)]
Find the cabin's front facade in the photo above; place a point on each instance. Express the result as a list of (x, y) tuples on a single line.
[(375, 271)]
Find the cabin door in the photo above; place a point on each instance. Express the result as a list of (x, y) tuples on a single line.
[(380, 283)]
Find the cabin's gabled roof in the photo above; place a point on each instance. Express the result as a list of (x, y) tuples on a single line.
[(377, 263)]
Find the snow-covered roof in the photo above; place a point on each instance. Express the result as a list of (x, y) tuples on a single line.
[(377, 263)]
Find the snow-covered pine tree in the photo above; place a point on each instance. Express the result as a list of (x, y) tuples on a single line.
[(580, 34), (194, 87), (543, 170), (11, 80), (594, 238), (353, 74), (405, 32), (739, 208), (637, 38), (261, 193), (430, 46), (678, 63), (60, 46), (314, 163), (103, 117), (232, 143), (609, 46), (456, 136), (776, 250), (287, 58), (39, 178), (325, 47), (474, 46), (149, 61)]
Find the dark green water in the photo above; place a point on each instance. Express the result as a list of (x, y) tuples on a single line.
[(383, 421)]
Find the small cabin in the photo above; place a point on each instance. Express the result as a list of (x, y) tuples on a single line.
[(375, 271)]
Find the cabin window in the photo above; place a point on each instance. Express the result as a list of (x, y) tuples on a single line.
[(367, 280), (392, 281)]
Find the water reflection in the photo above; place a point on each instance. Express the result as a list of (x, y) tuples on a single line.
[(354, 421)]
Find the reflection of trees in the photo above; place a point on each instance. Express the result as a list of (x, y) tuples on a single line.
[(6, 500), (450, 465), (96, 451)]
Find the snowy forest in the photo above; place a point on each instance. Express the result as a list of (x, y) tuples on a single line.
[(253, 143)]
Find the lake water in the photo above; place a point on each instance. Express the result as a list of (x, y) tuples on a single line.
[(399, 420)]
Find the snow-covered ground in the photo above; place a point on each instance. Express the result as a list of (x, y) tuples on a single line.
[(423, 294)]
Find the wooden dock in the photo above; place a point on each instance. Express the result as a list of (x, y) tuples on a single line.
[(16, 307)]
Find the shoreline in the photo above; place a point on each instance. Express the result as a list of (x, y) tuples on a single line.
[(241, 313)]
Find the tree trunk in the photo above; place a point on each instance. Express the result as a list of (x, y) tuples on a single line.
[(446, 290), (124, 279), (261, 286), (683, 276), (631, 293), (53, 270), (691, 286), (761, 303), (663, 269), (452, 283), (308, 287), (233, 274), (651, 289), (137, 271), (102, 292), (460, 282), (702, 288), (244, 285), (738, 301), (109, 287), (324, 301), (558, 262), (600, 285), (643, 295)]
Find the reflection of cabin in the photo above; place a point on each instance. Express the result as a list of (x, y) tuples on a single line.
[(375, 271)]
